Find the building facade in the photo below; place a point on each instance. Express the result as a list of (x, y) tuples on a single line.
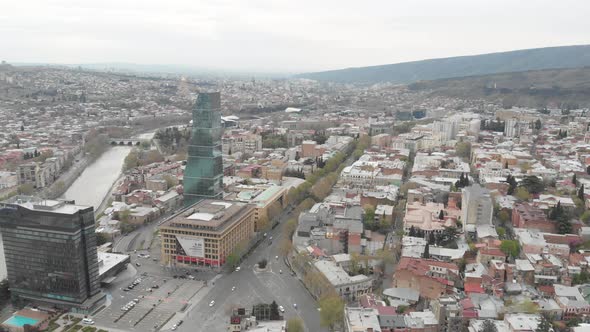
[(50, 251), (206, 232), (203, 176)]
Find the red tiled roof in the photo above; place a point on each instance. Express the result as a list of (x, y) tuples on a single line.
[(547, 289), (492, 252), (472, 287), (470, 314)]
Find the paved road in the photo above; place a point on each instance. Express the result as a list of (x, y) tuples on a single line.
[(254, 287)]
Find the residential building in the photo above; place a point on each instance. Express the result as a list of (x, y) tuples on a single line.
[(206, 232), (525, 215), (50, 252), (476, 207), (268, 200), (346, 286), (512, 127), (431, 278), (361, 320), (203, 176)]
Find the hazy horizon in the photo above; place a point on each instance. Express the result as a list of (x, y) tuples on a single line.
[(278, 36)]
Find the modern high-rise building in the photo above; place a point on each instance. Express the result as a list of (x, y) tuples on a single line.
[(203, 176), (50, 252), (512, 128)]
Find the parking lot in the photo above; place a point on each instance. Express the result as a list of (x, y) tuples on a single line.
[(153, 309)]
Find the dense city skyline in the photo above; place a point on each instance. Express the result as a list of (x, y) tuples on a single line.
[(265, 36)]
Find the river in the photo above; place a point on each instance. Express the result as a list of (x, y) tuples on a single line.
[(95, 182), (91, 187)]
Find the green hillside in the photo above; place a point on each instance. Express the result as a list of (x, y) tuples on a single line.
[(514, 61)]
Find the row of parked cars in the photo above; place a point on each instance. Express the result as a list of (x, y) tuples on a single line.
[(175, 326), (130, 305)]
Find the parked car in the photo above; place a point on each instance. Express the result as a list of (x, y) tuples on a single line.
[(212, 303), (281, 308), (87, 321)]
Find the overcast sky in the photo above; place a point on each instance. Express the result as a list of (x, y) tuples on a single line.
[(281, 35)]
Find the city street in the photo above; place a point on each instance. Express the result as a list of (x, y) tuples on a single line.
[(253, 287)]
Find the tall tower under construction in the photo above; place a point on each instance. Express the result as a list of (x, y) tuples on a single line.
[(203, 176)]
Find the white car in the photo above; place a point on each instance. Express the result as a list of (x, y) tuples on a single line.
[(233, 288), (88, 321), (281, 308), (238, 269), (212, 303)]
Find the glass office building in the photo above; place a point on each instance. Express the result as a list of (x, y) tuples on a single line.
[(203, 176), (50, 251)]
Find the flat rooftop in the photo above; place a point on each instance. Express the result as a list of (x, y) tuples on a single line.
[(45, 205), (107, 261), (209, 215)]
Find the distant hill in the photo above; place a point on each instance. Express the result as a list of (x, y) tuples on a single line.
[(568, 88), (462, 66)]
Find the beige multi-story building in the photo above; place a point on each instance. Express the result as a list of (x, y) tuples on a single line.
[(206, 233), (241, 141)]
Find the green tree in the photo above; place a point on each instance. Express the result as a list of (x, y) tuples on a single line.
[(101, 238), (331, 311), (522, 194), (488, 326), (533, 184), (124, 215), (426, 251), (274, 311), (575, 179), (369, 217), (463, 149), (504, 216), (501, 232), (564, 226), (232, 260), (26, 189), (295, 325), (544, 325), (510, 247), (581, 195), (131, 161)]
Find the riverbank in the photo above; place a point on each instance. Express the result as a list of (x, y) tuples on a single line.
[(92, 186), (106, 201)]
